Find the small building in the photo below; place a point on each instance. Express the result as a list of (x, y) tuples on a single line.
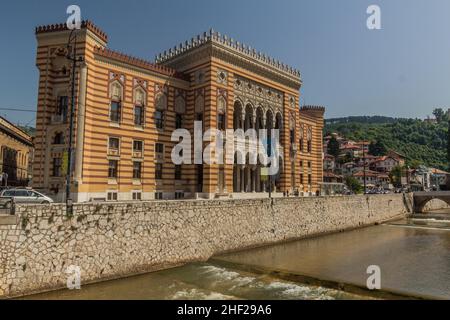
[(420, 178), (384, 164), (397, 156), (351, 149), (330, 177), (329, 163), (373, 178), (438, 178), (16, 149)]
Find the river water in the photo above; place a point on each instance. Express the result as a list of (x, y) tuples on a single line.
[(413, 256)]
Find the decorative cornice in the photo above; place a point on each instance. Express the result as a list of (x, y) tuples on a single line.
[(110, 54), (217, 41), (63, 27), (15, 132)]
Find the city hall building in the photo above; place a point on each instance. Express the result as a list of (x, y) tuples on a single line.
[(127, 108)]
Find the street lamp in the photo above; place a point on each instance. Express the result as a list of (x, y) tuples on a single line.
[(71, 55)]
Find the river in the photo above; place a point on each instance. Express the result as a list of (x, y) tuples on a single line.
[(413, 256)]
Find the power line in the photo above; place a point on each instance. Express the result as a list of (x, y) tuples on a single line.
[(18, 110)]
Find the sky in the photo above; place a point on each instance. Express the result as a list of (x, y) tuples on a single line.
[(402, 70)]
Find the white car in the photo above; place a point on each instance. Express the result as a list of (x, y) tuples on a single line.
[(25, 196)]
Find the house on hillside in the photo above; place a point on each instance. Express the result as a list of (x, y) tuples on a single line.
[(397, 156), (438, 178), (329, 163), (420, 179), (373, 179), (384, 164), (351, 149)]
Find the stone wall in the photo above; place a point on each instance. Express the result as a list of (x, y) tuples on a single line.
[(113, 240)]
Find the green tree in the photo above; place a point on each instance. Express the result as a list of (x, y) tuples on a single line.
[(414, 164), (396, 176), (439, 114), (333, 147), (377, 148), (353, 184)]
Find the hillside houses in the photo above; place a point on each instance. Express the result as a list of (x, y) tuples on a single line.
[(375, 171)]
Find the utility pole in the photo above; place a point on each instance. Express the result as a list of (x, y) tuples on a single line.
[(447, 182), (71, 46), (364, 165)]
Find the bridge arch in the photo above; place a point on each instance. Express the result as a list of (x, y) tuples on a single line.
[(421, 199)]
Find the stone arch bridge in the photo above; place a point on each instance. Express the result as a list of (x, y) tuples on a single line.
[(422, 198)]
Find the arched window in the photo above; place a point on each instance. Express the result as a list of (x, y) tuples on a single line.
[(139, 107), (116, 91), (139, 96), (161, 102), (199, 103), (309, 138), (116, 95), (180, 108), (160, 105), (292, 129), (59, 138), (302, 138), (221, 111)]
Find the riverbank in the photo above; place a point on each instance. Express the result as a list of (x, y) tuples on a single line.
[(317, 268), (109, 241), (401, 249)]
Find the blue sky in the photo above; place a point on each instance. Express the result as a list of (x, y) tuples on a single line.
[(402, 70)]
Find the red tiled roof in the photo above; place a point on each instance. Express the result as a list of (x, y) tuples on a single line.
[(328, 174), (349, 146), (369, 173), (108, 53), (438, 171)]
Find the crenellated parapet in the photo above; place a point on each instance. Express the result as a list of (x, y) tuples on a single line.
[(86, 24), (314, 111), (313, 108), (224, 42)]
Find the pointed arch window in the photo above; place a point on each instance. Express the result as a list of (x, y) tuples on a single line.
[(161, 106), (116, 96), (139, 107), (302, 140), (309, 138), (221, 111), (180, 108)]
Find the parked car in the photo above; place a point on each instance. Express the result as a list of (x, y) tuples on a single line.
[(25, 196)]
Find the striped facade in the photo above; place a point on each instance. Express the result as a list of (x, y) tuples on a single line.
[(126, 110)]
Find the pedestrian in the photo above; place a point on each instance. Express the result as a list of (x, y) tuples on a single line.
[(1, 179)]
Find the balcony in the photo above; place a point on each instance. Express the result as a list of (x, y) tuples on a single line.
[(138, 154), (113, 152)]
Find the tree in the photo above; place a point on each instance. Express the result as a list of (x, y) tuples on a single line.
[(377, 148), (414, 164), (439, 114), (353, 184), (333, 147), (396, 176)]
